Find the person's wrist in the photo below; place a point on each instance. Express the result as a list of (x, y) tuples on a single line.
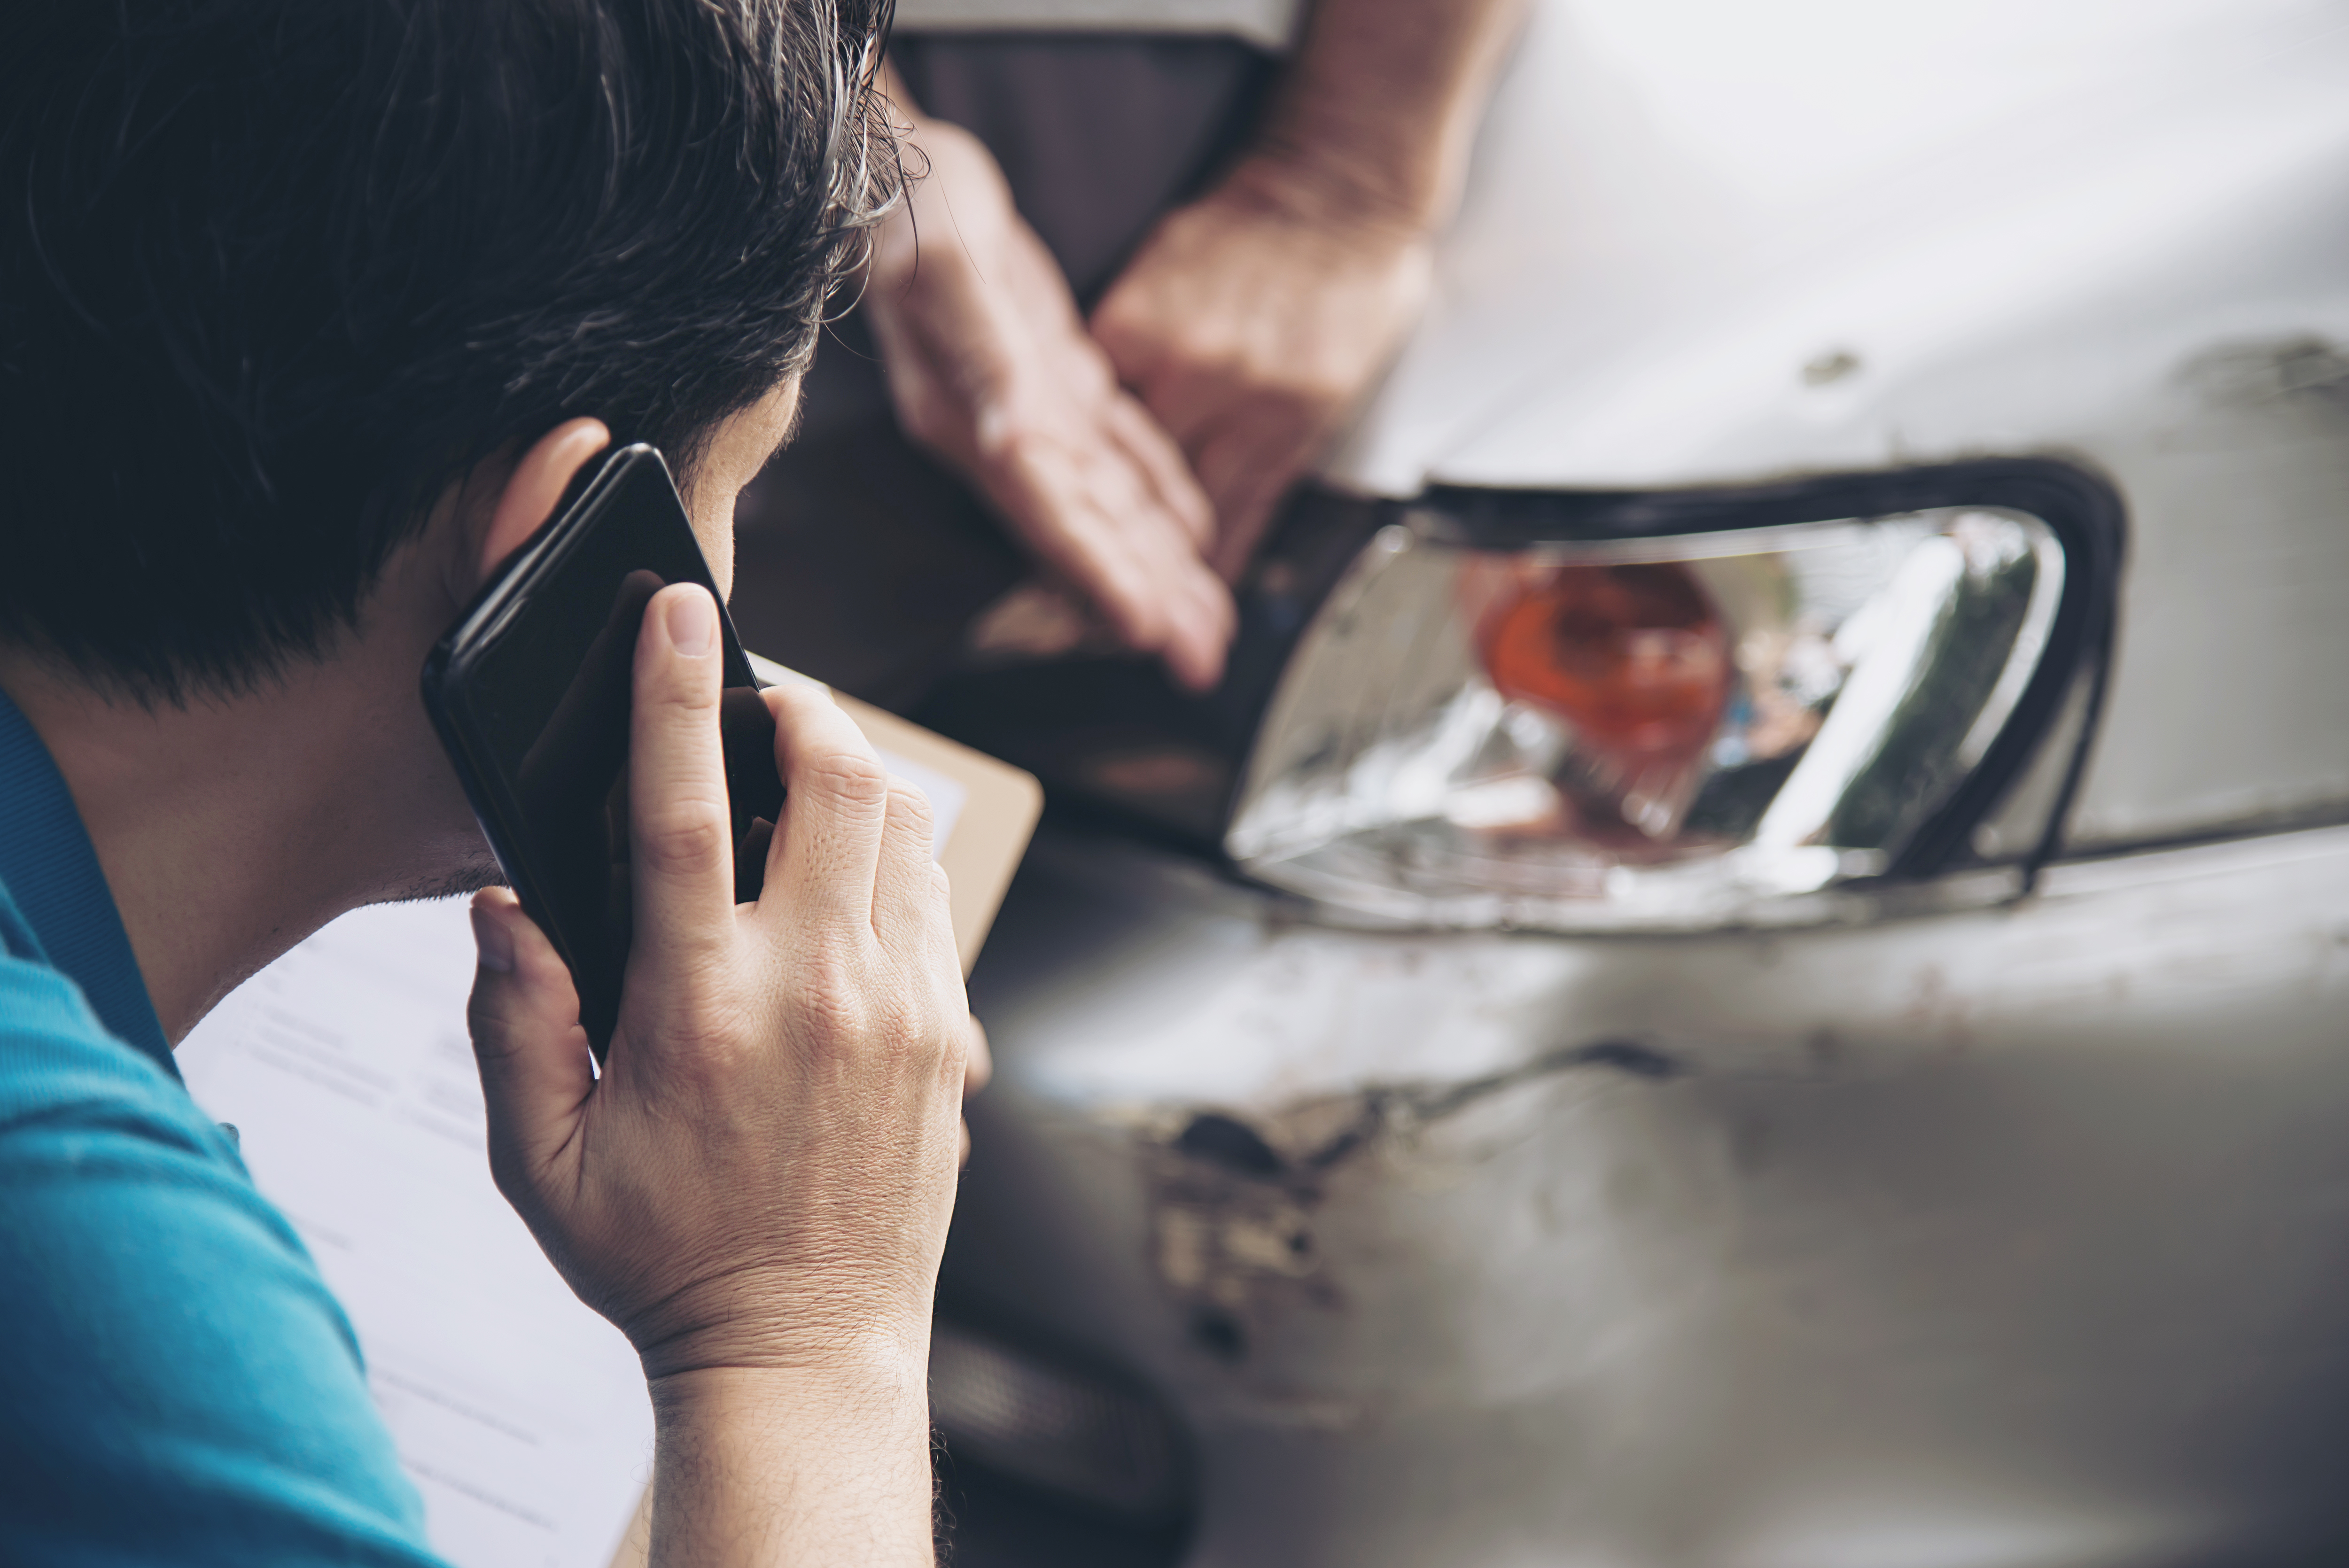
[(757, 1318), (1322, 184), (934, 154), (870, 1377), (830, 1464), (892, 256)]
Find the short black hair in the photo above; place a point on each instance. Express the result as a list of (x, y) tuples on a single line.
[(275, 274)]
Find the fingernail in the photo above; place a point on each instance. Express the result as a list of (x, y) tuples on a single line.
[(693, 624), (495, 942)]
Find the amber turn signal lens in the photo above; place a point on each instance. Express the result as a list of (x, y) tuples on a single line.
[(1633, 656)]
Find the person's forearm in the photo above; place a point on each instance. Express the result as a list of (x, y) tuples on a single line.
[(902, 107), (1373, 119), (926, 206), (764, 1466)]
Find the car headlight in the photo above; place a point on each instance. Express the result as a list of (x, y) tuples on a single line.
[(1638, 715)]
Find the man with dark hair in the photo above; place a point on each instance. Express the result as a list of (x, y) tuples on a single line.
[(309, 314)]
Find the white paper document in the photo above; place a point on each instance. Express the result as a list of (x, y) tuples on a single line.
[(345, 1067)]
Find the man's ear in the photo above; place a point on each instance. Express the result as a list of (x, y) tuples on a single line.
[(534, 487)]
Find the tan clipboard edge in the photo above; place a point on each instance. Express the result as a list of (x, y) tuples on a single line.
[(999, 814), (1001, 805)]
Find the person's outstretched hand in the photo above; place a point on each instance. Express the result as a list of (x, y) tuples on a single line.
[(991, 367), (1252, 322), (756, 1190)]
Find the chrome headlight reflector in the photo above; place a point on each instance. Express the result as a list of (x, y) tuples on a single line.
[(1676, 730)]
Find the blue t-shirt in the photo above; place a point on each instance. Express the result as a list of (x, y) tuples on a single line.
[(176, 1383)]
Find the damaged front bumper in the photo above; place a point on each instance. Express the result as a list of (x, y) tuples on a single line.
[(2007, 1236)]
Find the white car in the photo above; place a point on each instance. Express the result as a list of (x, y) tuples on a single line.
[(1749, 969)]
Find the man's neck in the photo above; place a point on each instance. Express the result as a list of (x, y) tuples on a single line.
[(231, 828)]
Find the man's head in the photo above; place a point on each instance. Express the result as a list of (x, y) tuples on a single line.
[(275, 275)]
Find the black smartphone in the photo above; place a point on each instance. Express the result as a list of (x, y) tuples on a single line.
[(531, 692)]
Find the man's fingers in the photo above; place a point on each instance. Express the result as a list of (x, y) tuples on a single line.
[(1138, 564), (1247, 517), (1041, 491), (524, 1017), (1161, 464), (828, 848), (1248, 467), (978, 1067), (978, 1062), (1195, 614), (1199, 621), (903, 898), (679, 832)]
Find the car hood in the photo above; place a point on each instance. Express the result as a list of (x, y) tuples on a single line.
[(1708, 241), (1713, 244)]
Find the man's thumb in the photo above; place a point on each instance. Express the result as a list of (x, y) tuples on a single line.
[(536, 1073)]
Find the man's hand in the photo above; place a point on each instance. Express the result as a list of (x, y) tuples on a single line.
[(991, 368), (757, 1189), (1252, 322)]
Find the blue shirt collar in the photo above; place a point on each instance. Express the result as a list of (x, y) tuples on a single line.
[(49, 868)]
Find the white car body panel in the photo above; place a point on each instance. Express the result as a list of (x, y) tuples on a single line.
[(2008, 1239), (2112, 232)]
